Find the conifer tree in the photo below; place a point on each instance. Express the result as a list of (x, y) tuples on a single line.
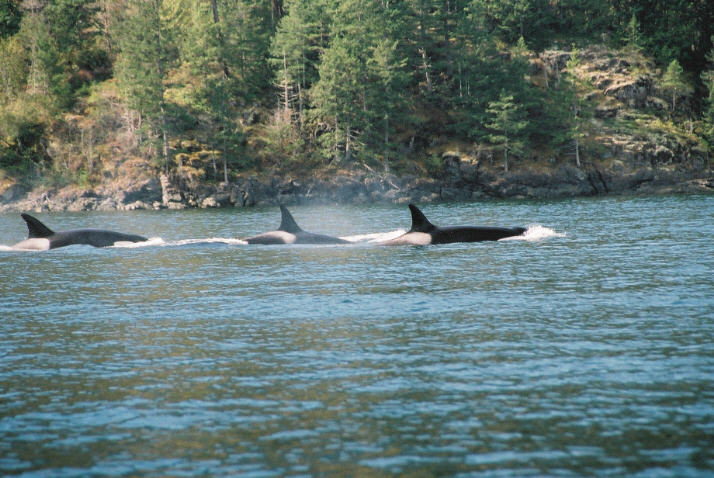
[(674, 82), (13, 68), (359, 78), (295, 53), (508, 122), (10, 17), (142, 66), (708, 113), (339, 97), (579, 110)]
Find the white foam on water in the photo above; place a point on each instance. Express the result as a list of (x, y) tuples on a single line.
[(29, 245), (374, 237), (535, 232), (152, 241), (157, 241), (212, 240)]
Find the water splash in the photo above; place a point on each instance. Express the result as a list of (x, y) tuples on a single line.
[(374, 237), (158, 241), (535, 232), (152, 241), (211, 240)]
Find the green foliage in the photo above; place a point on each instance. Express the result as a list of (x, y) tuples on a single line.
[(708, 115), (632, 33), (13, 69), (142, 65), (10, 17), (22, 139), (576, 110), (360, 83), (674, 81), (317, 81), (508, 122)]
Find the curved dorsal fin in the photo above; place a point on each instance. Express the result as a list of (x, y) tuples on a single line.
[(419, 222), (35, 228), (287, 223)]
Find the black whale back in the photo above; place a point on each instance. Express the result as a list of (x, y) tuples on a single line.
[(447, 235), (287, 223), (35, 228), (419, 221)]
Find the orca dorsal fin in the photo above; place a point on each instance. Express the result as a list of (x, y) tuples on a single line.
[(35, 228), (287, 223), (419, 221)]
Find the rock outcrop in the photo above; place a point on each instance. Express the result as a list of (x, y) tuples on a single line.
[(630, 146)]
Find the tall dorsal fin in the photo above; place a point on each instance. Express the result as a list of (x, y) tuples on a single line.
[(35, 228), (287, 223), (419, 222)]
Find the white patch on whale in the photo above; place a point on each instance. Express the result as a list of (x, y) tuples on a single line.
[(32, 244)]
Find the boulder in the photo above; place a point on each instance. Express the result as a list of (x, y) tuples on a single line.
[(209, 202), (170, 195), (11, 193)]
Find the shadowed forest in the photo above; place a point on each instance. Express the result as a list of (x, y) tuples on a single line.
[(211, 89)]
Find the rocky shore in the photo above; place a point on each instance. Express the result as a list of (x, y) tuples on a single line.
[(463, 178), (630, 149)]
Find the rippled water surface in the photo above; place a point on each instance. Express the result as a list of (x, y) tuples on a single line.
[(585, 349)]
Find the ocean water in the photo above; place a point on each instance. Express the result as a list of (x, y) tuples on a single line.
[(585, 348)]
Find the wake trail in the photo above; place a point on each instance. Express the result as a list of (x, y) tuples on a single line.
[(159, 242), (534, 233), (374, 237)]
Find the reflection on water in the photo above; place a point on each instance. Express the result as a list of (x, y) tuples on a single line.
[(585, 351)]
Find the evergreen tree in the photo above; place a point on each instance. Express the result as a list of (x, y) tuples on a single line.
[(339, 98), (708, 113), (669, 29), (578, 109), (633, 33), (360, 79), (142, 66), (674, 82), (10, 16), (508, 123), (218, 88), (386, 91), (13, 69), (295, 53)]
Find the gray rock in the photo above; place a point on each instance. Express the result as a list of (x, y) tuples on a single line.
[(12, 193)]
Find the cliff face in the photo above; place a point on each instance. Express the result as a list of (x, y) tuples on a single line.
[(632, 141)]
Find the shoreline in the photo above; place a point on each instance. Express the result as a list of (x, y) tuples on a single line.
[(461, 181)]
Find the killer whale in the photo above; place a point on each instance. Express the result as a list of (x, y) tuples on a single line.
[(424, 232), (290, 233), (41, 237)]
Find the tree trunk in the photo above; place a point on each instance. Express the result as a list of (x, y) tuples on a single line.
[(165, 135), (577, 151), (162, 101), (425, 65), (286, 86), (216, 20), (386, 143), (505, 157), (300, 108), (348, 146)]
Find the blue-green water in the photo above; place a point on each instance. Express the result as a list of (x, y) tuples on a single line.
[(586, 349)]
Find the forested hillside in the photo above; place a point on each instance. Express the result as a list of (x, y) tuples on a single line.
[(211, 90)]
